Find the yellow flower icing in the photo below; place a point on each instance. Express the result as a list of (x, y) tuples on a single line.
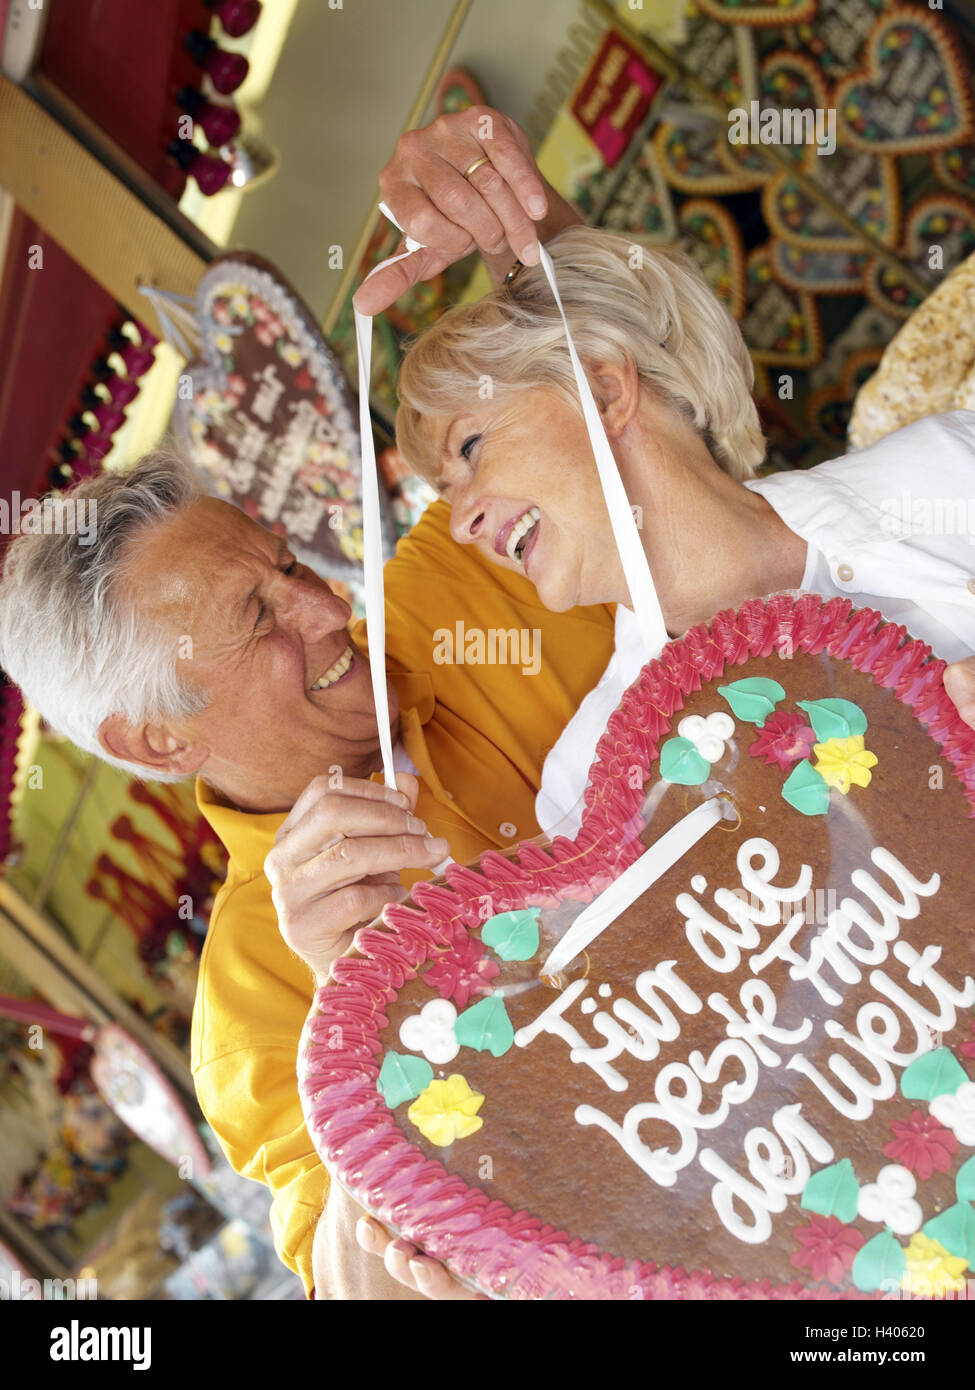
[(447, 1110), (844, 762), (930, 1268)]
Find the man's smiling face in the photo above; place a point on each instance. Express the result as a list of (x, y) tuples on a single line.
[(266, 641)]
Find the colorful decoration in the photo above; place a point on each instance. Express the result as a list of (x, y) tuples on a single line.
[(781, 326), (784, 739), (833, 1191), (463, 970), (806, 790), (402, 1078), (431, 1032), (753, 699), (711, 237), (708, 734), (880, 1264), (834, 718), (954, 1230), (486, 1027), (864, 184), (447, 1111), (913, 70), (957, 1112), (930, 1269), (890, 1200), (513, 935), (932, 1074), (921, 1144), (680, 762), (844, 762), (827, 1248), (759, 12)]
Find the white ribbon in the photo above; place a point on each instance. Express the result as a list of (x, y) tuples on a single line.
[(624, 891)]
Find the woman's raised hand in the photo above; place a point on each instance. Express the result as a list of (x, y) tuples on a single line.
[(336, 862), (494, 210)]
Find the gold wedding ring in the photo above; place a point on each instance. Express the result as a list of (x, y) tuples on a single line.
[(476, 165)]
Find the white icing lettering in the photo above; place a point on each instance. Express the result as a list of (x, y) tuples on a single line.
[(864, 1092), (685, 1108), (760, 1007), (879, 1028), (947, 997), (550, 1020), (662, 1165), (734, 1092)]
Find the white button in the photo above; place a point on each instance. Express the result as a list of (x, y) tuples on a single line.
[(844, 573), (507, 829), (971, 586)]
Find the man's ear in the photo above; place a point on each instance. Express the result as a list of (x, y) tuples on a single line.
[(616, 386), (156, 747)]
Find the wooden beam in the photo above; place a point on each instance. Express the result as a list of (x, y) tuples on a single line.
[(90, 202), (38, 950)]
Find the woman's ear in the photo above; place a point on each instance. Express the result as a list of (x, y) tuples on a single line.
[(616, 387), (155, 747)]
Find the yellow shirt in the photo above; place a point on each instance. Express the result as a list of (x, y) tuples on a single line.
[(477, 734)]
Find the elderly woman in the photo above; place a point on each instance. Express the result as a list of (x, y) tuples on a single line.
[(490, 414)]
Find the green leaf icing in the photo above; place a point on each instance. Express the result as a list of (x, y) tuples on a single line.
[(936, 1073), (753, 699), (965, 1182), (486, 1027), (834, 718), (403, 1078), (833, 1191), (513, 935), (681, 762), (807, 790), (879, 1263), (955, 1230)]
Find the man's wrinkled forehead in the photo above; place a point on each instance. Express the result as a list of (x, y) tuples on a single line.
[(198, 563)]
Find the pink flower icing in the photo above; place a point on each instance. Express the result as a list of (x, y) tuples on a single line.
[(463, 970), (784, 738), (921, 1144), (827, 1248)]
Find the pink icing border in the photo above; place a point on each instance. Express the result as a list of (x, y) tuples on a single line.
[(513, 1254)]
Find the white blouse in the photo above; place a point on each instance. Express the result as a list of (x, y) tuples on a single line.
[(891, 527)]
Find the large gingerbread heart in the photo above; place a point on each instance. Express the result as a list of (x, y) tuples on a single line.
[(269, 418), (638, 203), (913, 95), (940, 233), (757, 1079), (789, 81), (690, 159), (781, 326), (711, 237), (865, 185)]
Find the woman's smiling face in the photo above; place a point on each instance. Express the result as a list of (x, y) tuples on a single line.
[(522, 485)]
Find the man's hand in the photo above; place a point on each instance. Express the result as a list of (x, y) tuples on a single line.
[(336, 862), (960, 687), (495, 210)]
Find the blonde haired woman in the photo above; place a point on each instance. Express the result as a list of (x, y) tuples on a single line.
[(490, 414)]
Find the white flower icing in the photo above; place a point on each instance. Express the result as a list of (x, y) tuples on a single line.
[(431, 1032), (708, 733), (957, 1113), (890, 1200)]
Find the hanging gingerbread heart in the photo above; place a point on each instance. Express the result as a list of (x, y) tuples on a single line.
[(760, 13), (720, 56), (789, 81), (828, 410), (835, 38), (940, 233), (913, 94), (711, 237), (956, 168), (689, 157), (781, 326), (818, 272), (269, 417), (866, 185)]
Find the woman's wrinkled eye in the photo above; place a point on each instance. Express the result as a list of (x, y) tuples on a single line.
[(467, 446)]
